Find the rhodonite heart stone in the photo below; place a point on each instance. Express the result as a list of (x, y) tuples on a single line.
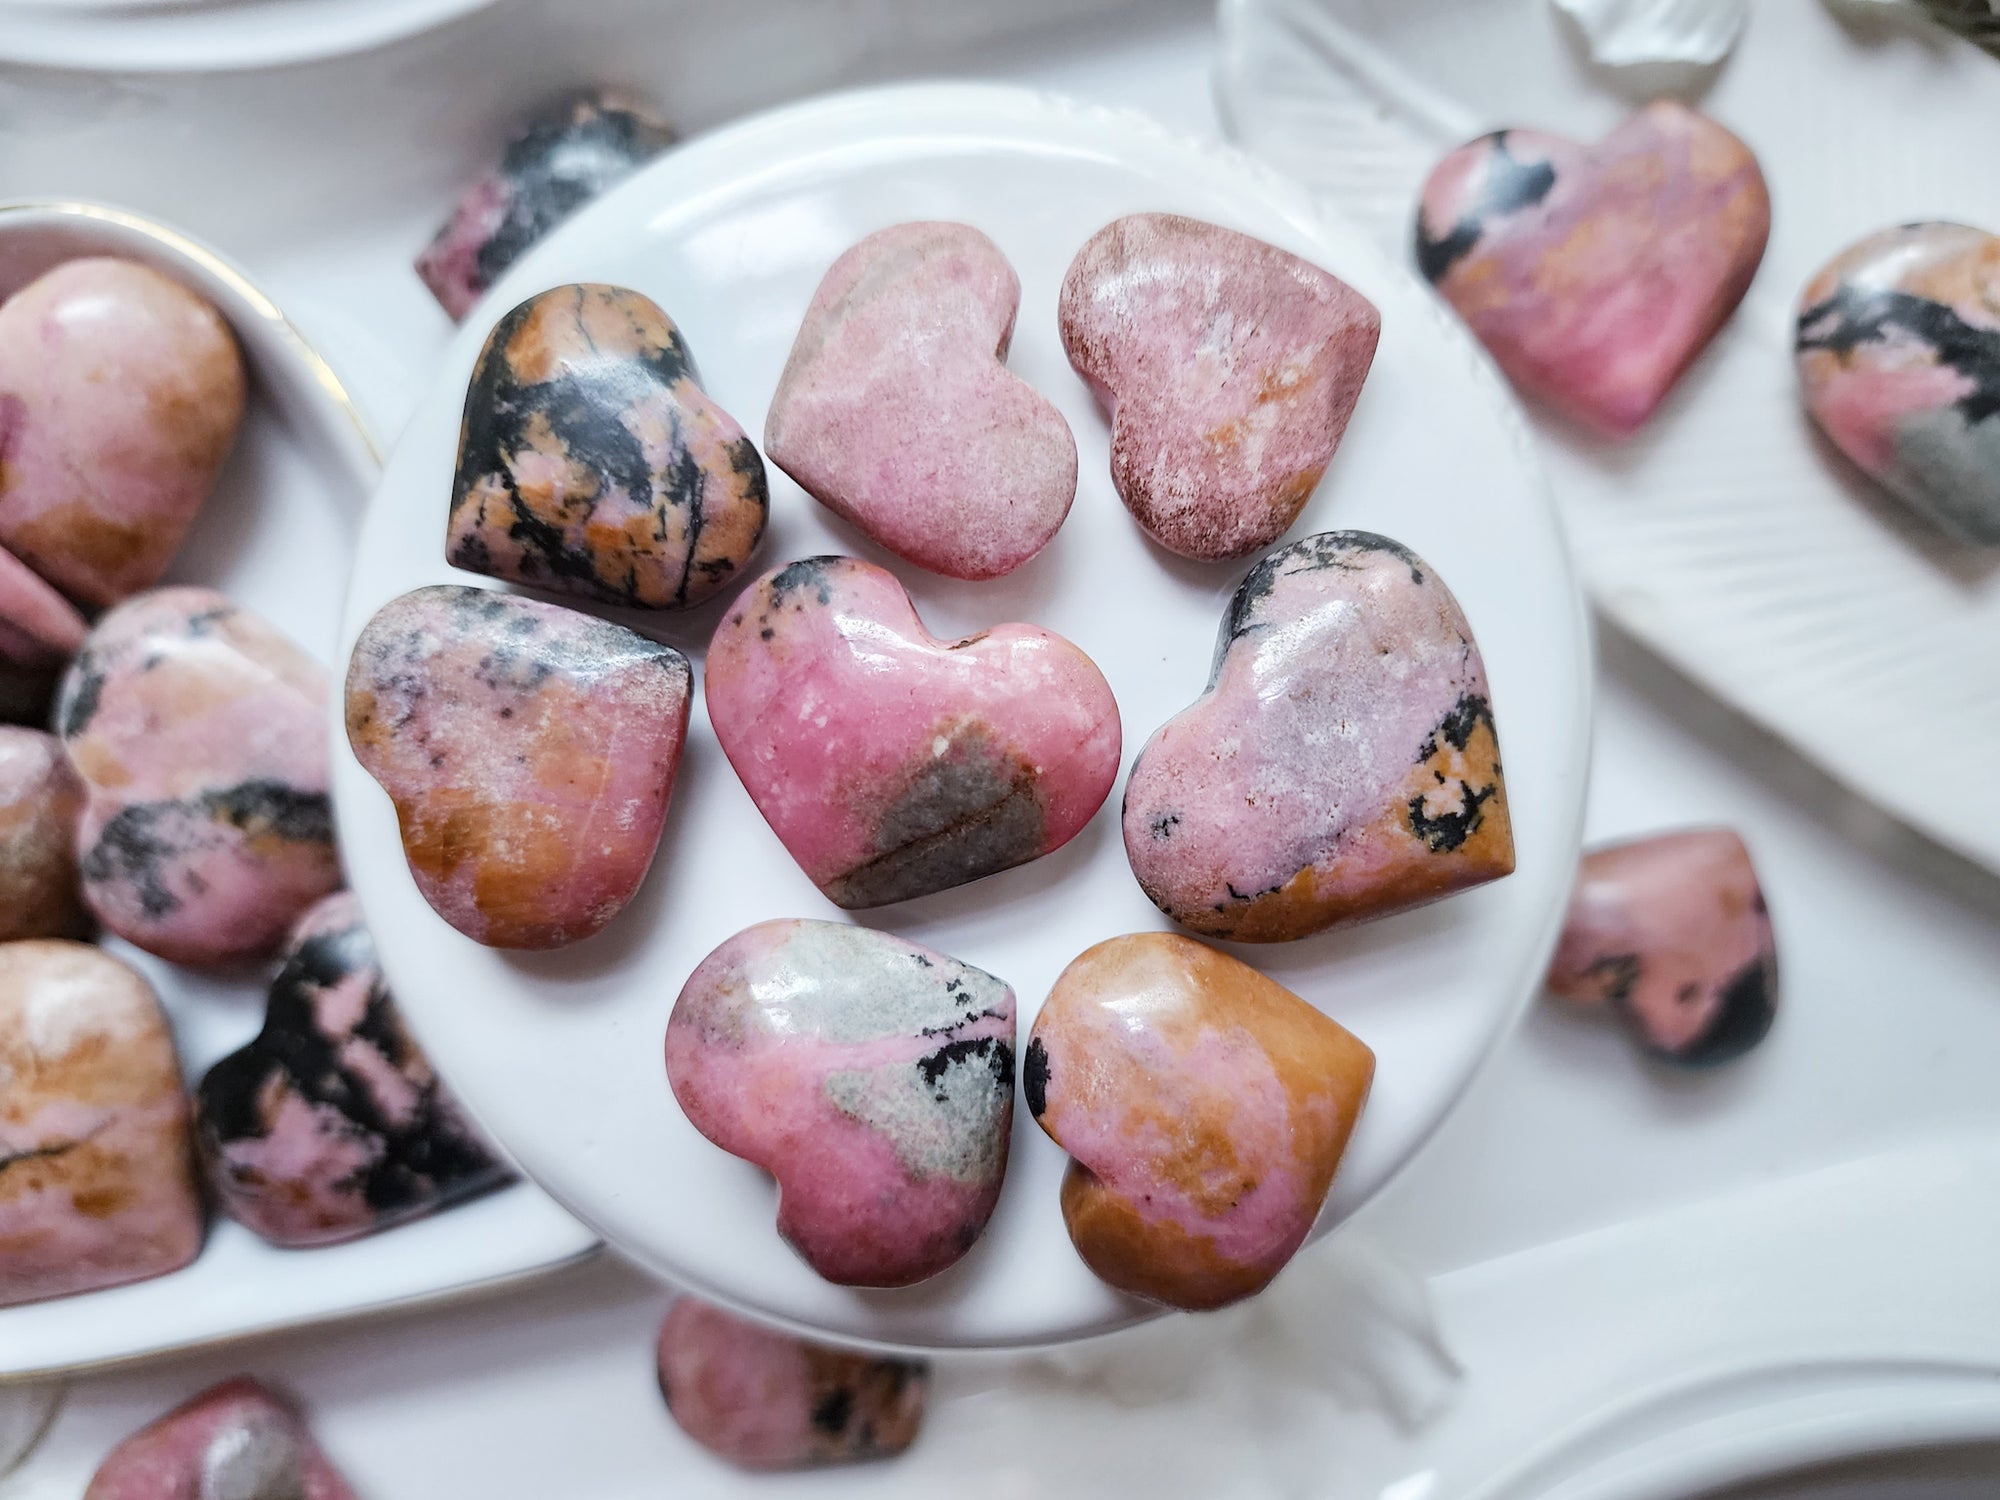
[(1343, 763), (873, 1078), (235, 1441), (38, 627), (1205, 1109), (765, 1400), (530, 752), (1230, 368), (200, 734), (591, 462), (332, 1124), (897, 411), (893, 764), (97, 1180), (1596, 274), (41, 895), (1899, 355), (1672, 932)]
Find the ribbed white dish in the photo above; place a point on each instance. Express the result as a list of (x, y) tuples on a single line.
[(185, 36)]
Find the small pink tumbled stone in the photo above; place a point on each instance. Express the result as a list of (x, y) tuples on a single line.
[(1230, 369), (893, 764), (40, 801), (1596, 274), (1673, 933), (38, 627), (897, 411), (235, 1441), (766, 1400)]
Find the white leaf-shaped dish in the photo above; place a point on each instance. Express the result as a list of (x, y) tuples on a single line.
[(1628, 33)]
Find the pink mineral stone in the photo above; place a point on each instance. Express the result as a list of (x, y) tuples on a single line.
[(38, 627), (235, 1441), (200, 734), (897, 411), (893, 764), (1343, 763), (1672, 933), (530, 751), (766, 1400), (1230, 369), (120, 395), (1596, 274), (873, 1078), (97, 1182), (41, 895)]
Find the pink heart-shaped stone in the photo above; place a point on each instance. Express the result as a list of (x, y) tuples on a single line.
[(897, 411), (235, 1441), (41, 895), (1230, 368), (893, 764), (1596, 274)]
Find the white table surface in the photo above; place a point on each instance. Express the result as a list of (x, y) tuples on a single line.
[(324, 181)]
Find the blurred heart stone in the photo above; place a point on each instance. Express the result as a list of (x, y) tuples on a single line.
[(97, 1183), (559, 163), (1230, 369), (200, 734), (1343, 763), (873, 1078), (591, 462), (1673, 934), (38, 627), (898, 413), (235, 1441), (893, 764), (530, 752), (1204, 1108), (1596, 274), (41, 895)]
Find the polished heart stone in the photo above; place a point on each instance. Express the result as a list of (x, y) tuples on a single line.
[(38, 627), (893, 764), (1899, 356), (873, 1078), (200, 734), (1672, 933), (332, 1123), (559, 163), (235, 1441), (1596, 274), (530, 752), (1343, 763), (41, 895), (897, 411), (592, 463), (97, 1183), (1204, 1108), (1230, 369), (120, 395), (766, 1400)]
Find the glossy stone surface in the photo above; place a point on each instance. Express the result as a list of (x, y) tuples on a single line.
[(1672, 933), (559, 163), (200, 734), (1230, 369), (893, 764), (332, 1123), (1343, 763), (872, 1077), (1899, 358), (592, 463), (120, 395), (530, 752), (897, 410), (765, 1400), (235, 1441), (41, 895), (1596, 274), (38, 627), (97, 1183), (1205, 1109)]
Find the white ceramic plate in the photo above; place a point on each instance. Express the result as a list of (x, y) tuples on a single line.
[(277, 535), (172, 36), (559, 1054), (1728, 536)]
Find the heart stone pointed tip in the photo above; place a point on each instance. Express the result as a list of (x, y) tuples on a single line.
[(39, 629), (235, 1441)]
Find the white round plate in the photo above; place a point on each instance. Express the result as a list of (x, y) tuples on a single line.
[(560, 1054), (176, 36)]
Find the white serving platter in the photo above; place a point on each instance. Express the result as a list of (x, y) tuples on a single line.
[(559, 1054), (277, 535), (175, 36), (1729, 536)]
